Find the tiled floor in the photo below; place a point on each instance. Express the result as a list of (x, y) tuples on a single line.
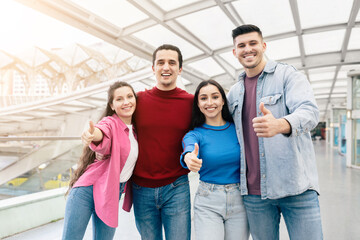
[(339, 201)]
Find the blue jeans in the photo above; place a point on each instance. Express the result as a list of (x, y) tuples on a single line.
[(79, 208), (168, 205), (301, 214), (219, 212)]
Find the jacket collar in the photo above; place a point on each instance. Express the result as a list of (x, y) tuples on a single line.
[(123, 126)]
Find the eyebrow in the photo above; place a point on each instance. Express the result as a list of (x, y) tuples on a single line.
[(214, 93)]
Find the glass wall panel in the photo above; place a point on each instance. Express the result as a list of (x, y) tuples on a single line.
[(356, 93), (356, 141), (342, 135)]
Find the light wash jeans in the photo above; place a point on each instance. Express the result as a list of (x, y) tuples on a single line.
[(219, 212), (79, 208), (168, 205), (301, 214)]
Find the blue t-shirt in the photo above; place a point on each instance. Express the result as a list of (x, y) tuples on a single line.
[(219, 150)]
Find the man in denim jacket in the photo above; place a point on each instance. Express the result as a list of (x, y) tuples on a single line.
[(274, 109)]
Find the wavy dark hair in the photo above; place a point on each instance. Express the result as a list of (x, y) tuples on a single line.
[(88, 156), (198, 118)]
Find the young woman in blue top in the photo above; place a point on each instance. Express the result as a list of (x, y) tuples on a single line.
[(212, 148)]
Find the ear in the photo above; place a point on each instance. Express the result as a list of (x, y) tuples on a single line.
[(111, 106), (180, 70), (234, 52), (264, 46), (153, 69)]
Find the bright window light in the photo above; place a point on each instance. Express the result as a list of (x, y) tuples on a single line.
[(283, 48), (208, 67), (158, 35), (231, 59), (327, 84), (207, 27), (322, 42), (119, 13), (323, 12), (354, 41), (167, 5), (258, 12)]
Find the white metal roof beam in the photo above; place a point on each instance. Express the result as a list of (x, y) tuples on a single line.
[(154, 13), (39, 138), (332, 88), (235, 14), (171, 15), (80, 18), (225, 65), (188, 9), (352, 18), (296, 17), (227, 13), (34, 159)]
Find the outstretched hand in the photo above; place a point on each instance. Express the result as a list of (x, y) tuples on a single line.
[(192, 161), (88, 136), (268, 125)]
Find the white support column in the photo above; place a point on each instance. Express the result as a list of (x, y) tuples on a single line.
[(349, 124), (340, 133), (331, 129)]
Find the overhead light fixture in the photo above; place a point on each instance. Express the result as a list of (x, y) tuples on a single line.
[(348, 114), (42, 166)]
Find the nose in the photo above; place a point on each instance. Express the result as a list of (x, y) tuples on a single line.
[(248, 48), (166, 66), (209, 101)]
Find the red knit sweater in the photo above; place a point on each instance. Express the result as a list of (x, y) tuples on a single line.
[(162, 119)]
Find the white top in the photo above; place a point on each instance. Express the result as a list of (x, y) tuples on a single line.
[(131, 160)]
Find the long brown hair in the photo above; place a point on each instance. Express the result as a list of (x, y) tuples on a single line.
[(88, 156)]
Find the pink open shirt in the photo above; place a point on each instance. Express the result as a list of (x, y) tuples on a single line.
[(104, 174)]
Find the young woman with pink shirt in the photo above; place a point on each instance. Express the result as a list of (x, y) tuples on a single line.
[(96, 185)]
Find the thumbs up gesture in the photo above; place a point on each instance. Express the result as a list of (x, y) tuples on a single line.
[(192, 161), (88, 135), (268, 125)]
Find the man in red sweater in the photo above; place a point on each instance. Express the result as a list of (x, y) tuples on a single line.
[(161, 193)]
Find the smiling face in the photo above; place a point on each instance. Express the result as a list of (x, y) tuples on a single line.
[(210, 103), (166, 69), (124, 103), (249, 50)]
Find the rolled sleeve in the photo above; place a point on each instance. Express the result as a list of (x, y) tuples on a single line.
[(188, 144), (303, 111), (104, 146)]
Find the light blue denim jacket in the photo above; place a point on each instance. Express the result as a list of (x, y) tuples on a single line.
[(287, 162)]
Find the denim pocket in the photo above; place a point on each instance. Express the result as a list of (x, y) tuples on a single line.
[(271, 100), (202, 191), (273, 103), (180, 181), (135, 186)]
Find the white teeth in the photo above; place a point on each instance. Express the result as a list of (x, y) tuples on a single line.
[(165, 74), (249, 56), (210, 109)]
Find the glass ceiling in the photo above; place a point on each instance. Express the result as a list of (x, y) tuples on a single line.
[(321, 38)]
